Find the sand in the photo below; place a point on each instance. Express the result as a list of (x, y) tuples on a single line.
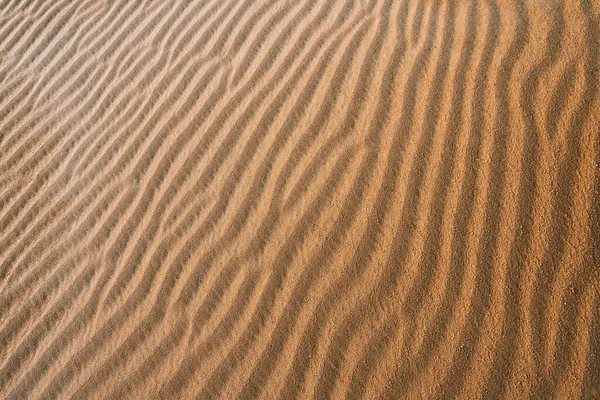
[(299, 199)]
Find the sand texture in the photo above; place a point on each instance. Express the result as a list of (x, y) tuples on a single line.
[(284, 199)]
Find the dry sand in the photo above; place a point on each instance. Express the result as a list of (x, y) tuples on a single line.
[(299, 199)]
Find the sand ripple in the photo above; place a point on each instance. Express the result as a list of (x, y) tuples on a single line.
[(299, 199)]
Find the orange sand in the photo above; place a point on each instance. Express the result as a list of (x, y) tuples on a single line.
[(299, 199)]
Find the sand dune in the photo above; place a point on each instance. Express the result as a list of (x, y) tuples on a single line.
[(299, 199)]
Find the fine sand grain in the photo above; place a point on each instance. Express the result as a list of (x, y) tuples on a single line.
[(299, 199)]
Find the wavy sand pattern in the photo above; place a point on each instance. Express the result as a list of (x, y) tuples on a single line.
[(299, 199)]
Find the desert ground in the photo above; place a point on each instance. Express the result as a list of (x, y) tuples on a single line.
[(283, 199)]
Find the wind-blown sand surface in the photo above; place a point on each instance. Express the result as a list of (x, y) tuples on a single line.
[(299, 199)]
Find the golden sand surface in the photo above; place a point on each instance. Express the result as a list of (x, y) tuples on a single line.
[(284, 199)]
